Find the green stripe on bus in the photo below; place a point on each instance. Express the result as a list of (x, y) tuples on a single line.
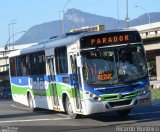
[(19, 90), (112, 97), (48, 92)]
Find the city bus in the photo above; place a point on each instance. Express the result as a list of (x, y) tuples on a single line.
[(82, 73)]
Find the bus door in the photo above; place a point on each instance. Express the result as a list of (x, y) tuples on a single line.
[(76, 81), (53, 89)]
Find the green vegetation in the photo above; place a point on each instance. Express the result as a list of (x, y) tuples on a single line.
[(155, 94)]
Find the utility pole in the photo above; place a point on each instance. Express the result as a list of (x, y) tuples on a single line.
[(63, 22), (13, 22), (127, 19), (149, 18), (9, 33), (10, 27), (118, 12)]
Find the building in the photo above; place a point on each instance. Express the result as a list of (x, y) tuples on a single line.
[(4, 63), (150, 34)]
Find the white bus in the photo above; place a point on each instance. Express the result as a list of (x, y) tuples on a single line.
[(81, 74)]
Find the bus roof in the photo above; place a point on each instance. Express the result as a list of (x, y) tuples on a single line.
[(62, 40)]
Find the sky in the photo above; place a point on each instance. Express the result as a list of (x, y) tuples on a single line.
[(27, 13)]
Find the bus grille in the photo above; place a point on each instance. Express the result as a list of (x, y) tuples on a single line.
[(116, 96), (120, 103)]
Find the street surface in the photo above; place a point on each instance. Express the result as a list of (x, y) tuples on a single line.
[(15, 117)]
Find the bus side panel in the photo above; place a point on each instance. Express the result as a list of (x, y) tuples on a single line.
[(19, 87), (37, 86), (41, 91), (64, 84), (40, 88)]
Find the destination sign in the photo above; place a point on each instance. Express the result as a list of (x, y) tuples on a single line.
[(107, 39), (103, 77)]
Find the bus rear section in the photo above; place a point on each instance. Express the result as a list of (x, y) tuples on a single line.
[(114, 72)]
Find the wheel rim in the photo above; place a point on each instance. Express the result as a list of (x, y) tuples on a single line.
[(30, 103), (70, 108)]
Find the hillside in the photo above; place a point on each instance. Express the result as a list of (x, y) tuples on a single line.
[(75, 19)]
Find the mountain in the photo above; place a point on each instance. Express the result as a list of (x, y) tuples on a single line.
[(74, 18), (144, 19)]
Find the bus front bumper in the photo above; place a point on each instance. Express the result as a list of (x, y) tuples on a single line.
[(106, 106)]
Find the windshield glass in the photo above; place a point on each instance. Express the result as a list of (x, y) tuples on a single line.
[(114, 65)]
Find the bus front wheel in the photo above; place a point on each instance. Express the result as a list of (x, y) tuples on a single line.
[(30, 103), (69, 109)]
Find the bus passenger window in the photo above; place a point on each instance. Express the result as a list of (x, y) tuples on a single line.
[(34, 68), (13, 66), (28, 68), (61, 60), (25, 65), (42, 68), (19, 66)]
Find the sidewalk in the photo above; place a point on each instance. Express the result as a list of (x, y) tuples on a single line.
[(155, 84)]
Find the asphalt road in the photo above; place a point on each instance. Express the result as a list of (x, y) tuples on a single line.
[(17, 118)]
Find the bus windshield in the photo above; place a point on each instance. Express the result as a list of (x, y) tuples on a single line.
[(114, 65)]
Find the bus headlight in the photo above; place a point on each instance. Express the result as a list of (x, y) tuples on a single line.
[(94, 97), (144, 90)]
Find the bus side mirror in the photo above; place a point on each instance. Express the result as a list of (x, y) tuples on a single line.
[(79, 62)]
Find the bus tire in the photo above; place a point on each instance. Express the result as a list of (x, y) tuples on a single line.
[(30, 103), (123, 113), (69, 109)]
